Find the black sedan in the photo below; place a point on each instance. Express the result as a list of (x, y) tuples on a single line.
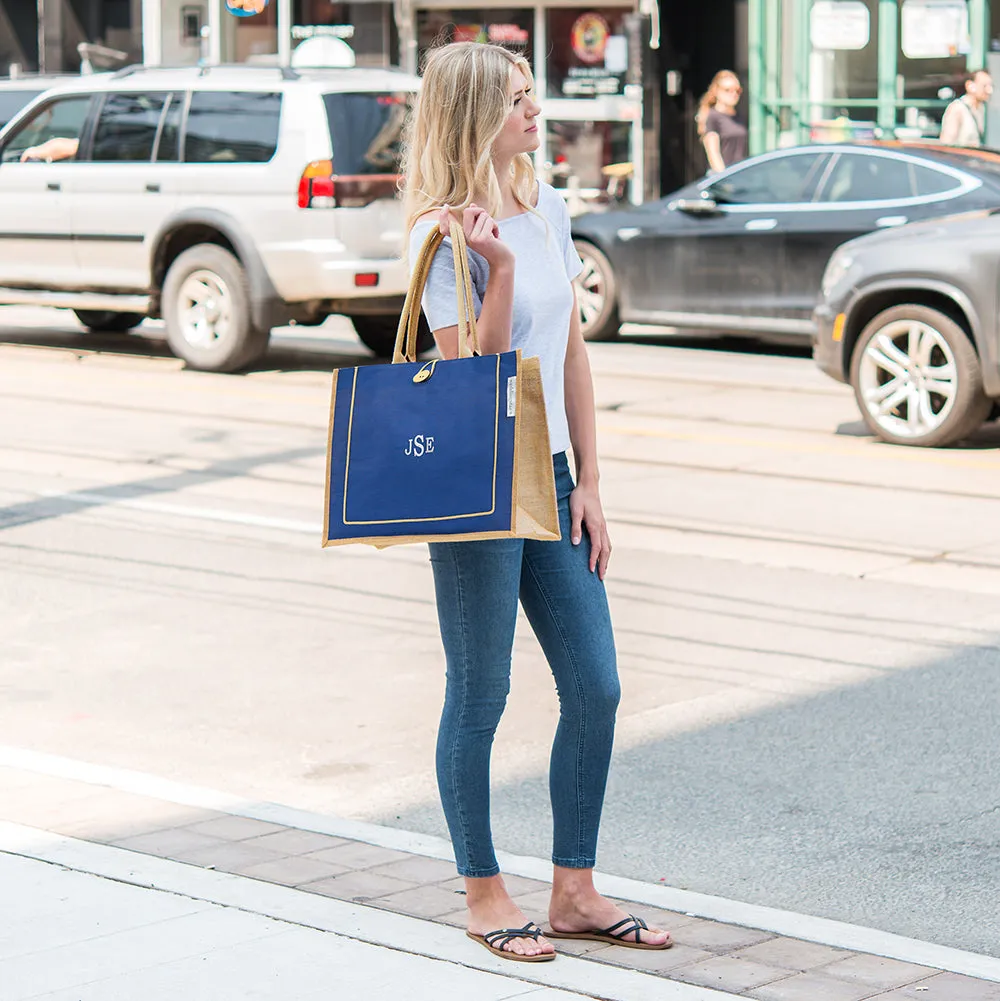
[(743, 251)]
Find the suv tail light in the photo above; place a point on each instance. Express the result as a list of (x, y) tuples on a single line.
[(320, 188)]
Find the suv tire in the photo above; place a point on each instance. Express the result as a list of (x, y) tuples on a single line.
[(378, 334), (596, 294), (105, 321), (916, 378), (206, 309)]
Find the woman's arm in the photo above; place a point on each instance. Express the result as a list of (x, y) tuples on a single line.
[(585, 501), (713, 149), (494, 325)]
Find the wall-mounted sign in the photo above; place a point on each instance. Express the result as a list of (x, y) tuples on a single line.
[(589, 36), (300, 31), (839, 25), (246, 8), (935, 29), (496, 34)]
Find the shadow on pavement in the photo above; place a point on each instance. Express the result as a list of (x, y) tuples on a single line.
[(875, 804)]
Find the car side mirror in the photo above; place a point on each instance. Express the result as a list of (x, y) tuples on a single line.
[(697, 206)]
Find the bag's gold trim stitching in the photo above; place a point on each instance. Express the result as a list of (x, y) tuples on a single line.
[(445, 517)]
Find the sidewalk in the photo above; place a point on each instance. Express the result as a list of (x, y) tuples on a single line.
[(122, 886)]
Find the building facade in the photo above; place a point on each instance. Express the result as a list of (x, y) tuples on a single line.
[(620, 81)]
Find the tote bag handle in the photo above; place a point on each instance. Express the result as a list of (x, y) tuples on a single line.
[(409, 320)]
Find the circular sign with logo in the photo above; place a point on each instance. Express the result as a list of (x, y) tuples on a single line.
[(246, 8), (589, 37)]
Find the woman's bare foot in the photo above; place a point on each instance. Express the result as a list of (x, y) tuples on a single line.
[(577, 907), (491, 908)]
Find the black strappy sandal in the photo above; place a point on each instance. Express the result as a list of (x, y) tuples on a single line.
[(496, 940), (616, 934)]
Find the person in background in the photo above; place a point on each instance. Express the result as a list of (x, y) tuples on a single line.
[(723, 135), (964, 122)]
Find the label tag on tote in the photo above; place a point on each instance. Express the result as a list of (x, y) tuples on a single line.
[(511, 395)]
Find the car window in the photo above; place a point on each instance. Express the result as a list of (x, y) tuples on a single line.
[(232, 127), (51, 133), (927, 181), (127, 126), (779, 180), (169, 148), (857, 177), (366, 132), (12, 101)]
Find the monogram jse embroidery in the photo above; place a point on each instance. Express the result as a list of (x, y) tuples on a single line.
[(420, 445)]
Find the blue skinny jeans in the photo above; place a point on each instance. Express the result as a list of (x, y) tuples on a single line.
[(477, 585)]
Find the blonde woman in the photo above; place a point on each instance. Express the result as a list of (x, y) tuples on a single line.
[(723, 135), (475, 124)]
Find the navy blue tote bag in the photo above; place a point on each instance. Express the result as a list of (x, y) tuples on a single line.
[(444, 450)]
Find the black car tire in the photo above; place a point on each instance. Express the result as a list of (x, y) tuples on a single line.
[(378, 334), (105, 321), (970, 406), (238, 342), (598, 277)]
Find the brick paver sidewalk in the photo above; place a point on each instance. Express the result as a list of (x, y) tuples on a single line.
[(742, 961)]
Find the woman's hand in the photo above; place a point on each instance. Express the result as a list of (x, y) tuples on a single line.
[(585, 510), (482, 234)]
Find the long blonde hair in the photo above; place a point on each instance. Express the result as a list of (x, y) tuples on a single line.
[(464, 101), (711, 95)]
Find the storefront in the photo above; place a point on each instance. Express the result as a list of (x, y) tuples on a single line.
[(856, 69), (588, 67), (592, 66), (183, 32)]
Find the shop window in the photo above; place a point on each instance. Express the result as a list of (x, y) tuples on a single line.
[(579, 150), (588, 51), (781, 180), (369, 29), (127, 127), (512, 27), (933, 47), (844, 61)]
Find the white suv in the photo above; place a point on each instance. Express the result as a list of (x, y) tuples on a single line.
[(228, 200)]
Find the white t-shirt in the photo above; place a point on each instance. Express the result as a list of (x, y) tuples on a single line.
[(545, 264), (968, 123)]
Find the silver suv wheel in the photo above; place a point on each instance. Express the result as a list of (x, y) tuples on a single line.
[(916, 378), (207, 310), (204, 309)]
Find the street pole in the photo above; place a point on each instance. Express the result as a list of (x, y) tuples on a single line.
[(152, 32), (888, 42), (284, 32)]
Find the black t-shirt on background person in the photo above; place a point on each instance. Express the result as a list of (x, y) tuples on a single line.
[(732, 135)]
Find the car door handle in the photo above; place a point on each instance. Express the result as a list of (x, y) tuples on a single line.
[(760, 225), (891, 220), (54, 186), (153, 189)]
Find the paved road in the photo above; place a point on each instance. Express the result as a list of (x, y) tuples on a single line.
[(808, 620)]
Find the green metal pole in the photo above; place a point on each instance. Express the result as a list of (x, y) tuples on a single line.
[(979, 32), (772, 70), (801, 59), (888, 46), (755, 69)]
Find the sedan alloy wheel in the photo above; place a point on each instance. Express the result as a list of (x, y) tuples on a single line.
[(596, 294), (916, 378)]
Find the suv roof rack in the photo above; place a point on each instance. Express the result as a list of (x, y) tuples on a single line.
[(287, 72)]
